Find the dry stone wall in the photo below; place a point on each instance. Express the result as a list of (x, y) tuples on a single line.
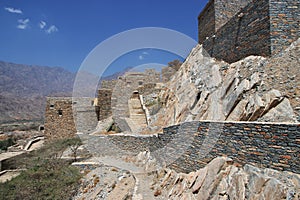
[(247, 33), (59, 121), (262, 27), (108, 84), (206, 22), (266, 145), (104, 103), (66, 116), (114, 94), (225, 10), (284, 23), (85, 113)]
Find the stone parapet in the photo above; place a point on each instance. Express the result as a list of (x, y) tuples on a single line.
[(266, 145)]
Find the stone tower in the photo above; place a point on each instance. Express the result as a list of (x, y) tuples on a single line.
[(234, 29), (59, 121)]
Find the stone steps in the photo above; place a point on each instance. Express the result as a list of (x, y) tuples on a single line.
[(137, 119)]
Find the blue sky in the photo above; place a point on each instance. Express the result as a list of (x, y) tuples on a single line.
[(62, 33)]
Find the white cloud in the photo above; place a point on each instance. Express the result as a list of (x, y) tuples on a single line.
[(42, 24), (13, 10), (143, 55), (23, 23), (52, 29)]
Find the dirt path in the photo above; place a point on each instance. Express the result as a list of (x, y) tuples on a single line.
[(118, 174)]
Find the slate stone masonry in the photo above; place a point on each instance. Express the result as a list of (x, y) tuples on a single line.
[(266, 145), (284, 23), (216, 14), (257, 27)]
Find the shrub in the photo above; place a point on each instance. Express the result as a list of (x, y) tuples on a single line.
[(47, 176), (4, 144)]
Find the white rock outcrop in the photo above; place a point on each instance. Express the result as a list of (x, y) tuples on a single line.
[(207, 89), (221, 179)]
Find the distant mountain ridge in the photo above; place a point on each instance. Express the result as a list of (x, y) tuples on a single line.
[(25, 81), (23, 89)]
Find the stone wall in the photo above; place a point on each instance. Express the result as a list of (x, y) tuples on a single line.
[(108, 84), (85, 113), (216, 14), (270, 145), (59, 121), (206, 22), (284, 20), (66, 116), (152, 75), (114, 94), (148, 88), (225, 10), (141, 78), (262, 27), (104, 103), (247, 33)]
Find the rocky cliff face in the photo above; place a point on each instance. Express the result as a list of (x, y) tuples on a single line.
[(253, 89), (221, 179)]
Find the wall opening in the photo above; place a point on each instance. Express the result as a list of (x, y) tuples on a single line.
[(41, 128), (60, 112)]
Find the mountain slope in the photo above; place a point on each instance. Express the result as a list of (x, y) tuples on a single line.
[(23, 89), (25, 81)]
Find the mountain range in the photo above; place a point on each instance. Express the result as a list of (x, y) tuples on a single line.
[(23, 89)]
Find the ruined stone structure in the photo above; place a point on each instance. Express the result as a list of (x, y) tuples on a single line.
[(104, 103), (108, 84), (149, 76), (66, 116), (85, 113), (141, 81), (211, 90), (231, 30), (59, 120)]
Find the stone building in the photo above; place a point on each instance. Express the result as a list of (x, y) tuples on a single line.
[(130, 81), (118, 98), (85, 113), (108, 84), (104, 103), (59, 120), (66, 116), (141, 78), (234, 29)]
